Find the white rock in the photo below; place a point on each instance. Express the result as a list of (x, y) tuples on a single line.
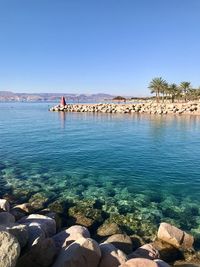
[(4, 205)]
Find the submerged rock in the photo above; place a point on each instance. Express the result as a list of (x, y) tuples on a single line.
[(108, 228), (9, 249), (38, 201), (84, 252)]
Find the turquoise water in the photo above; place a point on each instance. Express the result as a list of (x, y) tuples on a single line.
[(145, 168)]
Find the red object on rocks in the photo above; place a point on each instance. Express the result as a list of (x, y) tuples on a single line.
[(62, 102)]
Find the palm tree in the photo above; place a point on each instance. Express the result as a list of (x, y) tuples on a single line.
[(157, 86), (173, 91), (185, 87)]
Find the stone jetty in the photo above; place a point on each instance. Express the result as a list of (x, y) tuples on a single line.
[(147, 107), (32, 237)]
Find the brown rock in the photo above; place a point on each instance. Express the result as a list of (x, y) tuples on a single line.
[(111, 256), (175, 236), (40, 255), (84, 252), (121, 241), (68, 236), (4, 205), (146, 251), (139, 262), (108, 228)]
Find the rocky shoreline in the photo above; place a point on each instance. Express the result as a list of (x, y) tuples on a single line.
[(34, 237), (147, 107)]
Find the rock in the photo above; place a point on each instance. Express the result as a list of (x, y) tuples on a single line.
[(6, 218), (35, 234), (108, 228), (161, 263), (137, 241), (4, 205), (167, 252), (111, 256), (146, 251), (20, 231), (68, 236), (54, 216), (139, 262), (186, 264), (40, 255), (122, 242), (25, 207), (47, 224), (85, 216), (175, 236), (9, 249), (38, 201), (17, 213), (84, 252)]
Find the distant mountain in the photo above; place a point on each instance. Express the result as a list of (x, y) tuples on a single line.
[(52, 97)]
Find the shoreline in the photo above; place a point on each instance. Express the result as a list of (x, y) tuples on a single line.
[(189, 108)]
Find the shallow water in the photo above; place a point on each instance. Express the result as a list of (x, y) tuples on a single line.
[(147, 166)]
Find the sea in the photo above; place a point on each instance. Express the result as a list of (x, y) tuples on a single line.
[(140, 168)]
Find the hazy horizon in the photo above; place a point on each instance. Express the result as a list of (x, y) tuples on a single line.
[(89, 47)]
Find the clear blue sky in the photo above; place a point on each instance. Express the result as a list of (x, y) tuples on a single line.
[(90, 46)]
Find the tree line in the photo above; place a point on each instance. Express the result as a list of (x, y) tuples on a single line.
[(165, 91)]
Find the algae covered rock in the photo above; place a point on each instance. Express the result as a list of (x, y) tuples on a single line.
[(85, 216), (109, 228), (38, 201), (9, 249)]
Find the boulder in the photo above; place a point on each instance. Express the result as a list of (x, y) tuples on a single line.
[(121, 241), (167, 252), (4, 205), (146, 251), (38, 201), (68, 236), (6, 218), (9, 249), (35, 234), (84, 252), (47, 224), (111, 256), (40, 255), (20, 231), (108, 228), (139, 262), (175, 236), (161, 263), (25, 207)]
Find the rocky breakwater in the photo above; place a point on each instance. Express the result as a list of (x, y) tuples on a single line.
[(35, 241), (149, 108)]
